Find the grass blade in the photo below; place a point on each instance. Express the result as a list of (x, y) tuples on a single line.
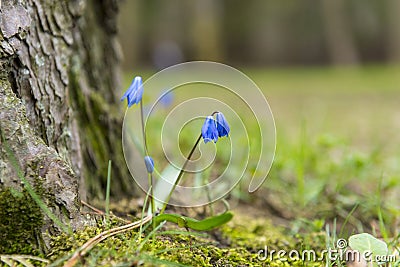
[(108, 191)]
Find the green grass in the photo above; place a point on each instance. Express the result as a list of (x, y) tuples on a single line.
[(336, 170), (338, 143)]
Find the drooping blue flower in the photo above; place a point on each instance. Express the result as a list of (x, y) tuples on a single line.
[(148, 161), (209, 130), (135, 92), (222, 125)]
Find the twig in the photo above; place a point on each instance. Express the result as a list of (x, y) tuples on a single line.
[(100, 212), (80, 252), (92, 208), (19, 257)]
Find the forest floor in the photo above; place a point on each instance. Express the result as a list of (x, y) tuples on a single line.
[(336, 173)]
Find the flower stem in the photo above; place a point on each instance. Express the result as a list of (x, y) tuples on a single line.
[(180, 174), (143, 132), (150, 176), (153, 207)]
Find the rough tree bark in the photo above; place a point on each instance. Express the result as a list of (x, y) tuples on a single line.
[(59, 115)]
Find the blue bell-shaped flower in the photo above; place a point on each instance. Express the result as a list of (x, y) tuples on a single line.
[(135, 92), (149, 162), (209, 130), (222, 125)]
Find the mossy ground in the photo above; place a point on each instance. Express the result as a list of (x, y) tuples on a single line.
[(236, 244)]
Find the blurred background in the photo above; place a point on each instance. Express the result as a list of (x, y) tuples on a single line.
[(156, 34), (330, 72)]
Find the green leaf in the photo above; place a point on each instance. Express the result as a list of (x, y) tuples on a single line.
[(198, 225), (366, 243)]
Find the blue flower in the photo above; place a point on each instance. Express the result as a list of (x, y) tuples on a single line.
[(148, 161), (167, 98), (209, 130), (222, 125), (135, 92)]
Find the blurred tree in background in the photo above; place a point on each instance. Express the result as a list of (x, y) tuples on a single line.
[(158, 33)]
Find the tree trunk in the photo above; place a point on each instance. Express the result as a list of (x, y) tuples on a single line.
[(59, 116), (206, 30), (393, 31), (339, 39)]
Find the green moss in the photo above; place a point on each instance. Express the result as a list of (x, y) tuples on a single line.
[(20, 223), (234, 244), (254, 234)]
